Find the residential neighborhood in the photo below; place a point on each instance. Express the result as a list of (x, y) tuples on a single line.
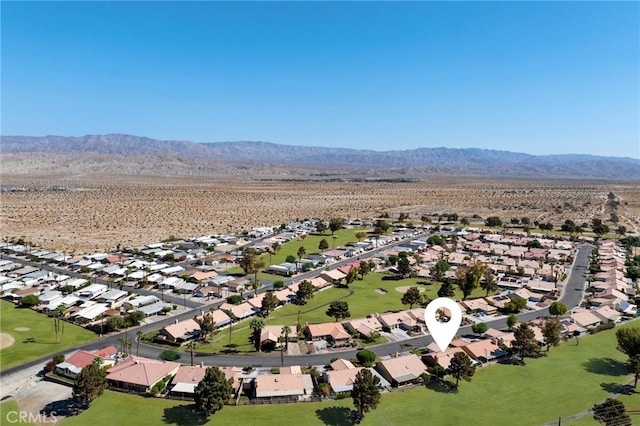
[(529, 274)]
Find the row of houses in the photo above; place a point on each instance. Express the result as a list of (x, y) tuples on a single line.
[(293, 383)]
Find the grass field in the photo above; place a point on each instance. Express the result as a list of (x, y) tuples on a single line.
[(364, 301), (568, 381), (311, 243), (10, 413), (39, 340)]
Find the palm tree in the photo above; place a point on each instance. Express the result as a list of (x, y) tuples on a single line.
[(124, 346), (192, 345), (138, 338), (285, 331), (301, 253), (257, 324)]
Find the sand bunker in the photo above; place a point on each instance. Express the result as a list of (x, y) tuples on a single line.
[(22, 329), (6, 340), (404, 288)]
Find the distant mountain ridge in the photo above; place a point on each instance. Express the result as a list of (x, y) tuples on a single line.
[(453, 161)]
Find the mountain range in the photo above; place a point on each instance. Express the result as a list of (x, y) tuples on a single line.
[(417, 162)]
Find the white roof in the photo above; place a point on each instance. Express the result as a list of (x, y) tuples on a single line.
[(92, 312), (172, 270), (185, 387)]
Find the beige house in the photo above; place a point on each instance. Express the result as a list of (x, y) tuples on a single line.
[(329, 331), (293, 387), (401, 370), (140, 374)]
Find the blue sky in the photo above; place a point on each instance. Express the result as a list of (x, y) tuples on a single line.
[(535, 77)]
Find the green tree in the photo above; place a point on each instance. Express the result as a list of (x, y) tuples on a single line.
[(361, 235), (207, 325), (446, 289), (301, 253), (335, 224), (351, 276), (404, 267), (629, 341), (524, 342), (323, 245), (115, 323), (411, 297), (366, 357), (480, 328), (269, 303), (286, 330), (461, 367), (515, 305), (512, 319), (135, 318), (488, 284), (305, 292), (90, 383), (551, 332), (338, 310), (256, 324), (557, 309), (468, 279), (438, 270), (169, 355), (365, 393), (321, 227), (598, 227), (234, 299), (633, 367), (381, 227), (192, 346), (251, 264), (29, 301), (213, 391), (493, 221), (612, 413)]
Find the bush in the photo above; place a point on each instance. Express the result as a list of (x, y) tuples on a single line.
[(235, 299), (601, 327), (366, 357), (29, 301), (135, 317), (274, 370), (325, 389), (170, 355), (291, 259), (278, 284), (342, 395)]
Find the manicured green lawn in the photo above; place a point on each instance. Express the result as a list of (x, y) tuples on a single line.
[(39, 340), (311, 243), (10, 413), (568, 381), (364, 301)]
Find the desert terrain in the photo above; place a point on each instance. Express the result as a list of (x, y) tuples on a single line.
[(99, 212)]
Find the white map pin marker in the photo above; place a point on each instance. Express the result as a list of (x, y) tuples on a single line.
[(443, 332)]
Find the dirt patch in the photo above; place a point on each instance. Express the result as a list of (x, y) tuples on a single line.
[(22, 329), (381, 291), (6, 340), (404, 289), (104, 212)]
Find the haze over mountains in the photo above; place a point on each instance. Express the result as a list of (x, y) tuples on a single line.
[(118, 150)]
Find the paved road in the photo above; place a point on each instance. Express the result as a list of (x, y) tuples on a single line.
[(572, 297)]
